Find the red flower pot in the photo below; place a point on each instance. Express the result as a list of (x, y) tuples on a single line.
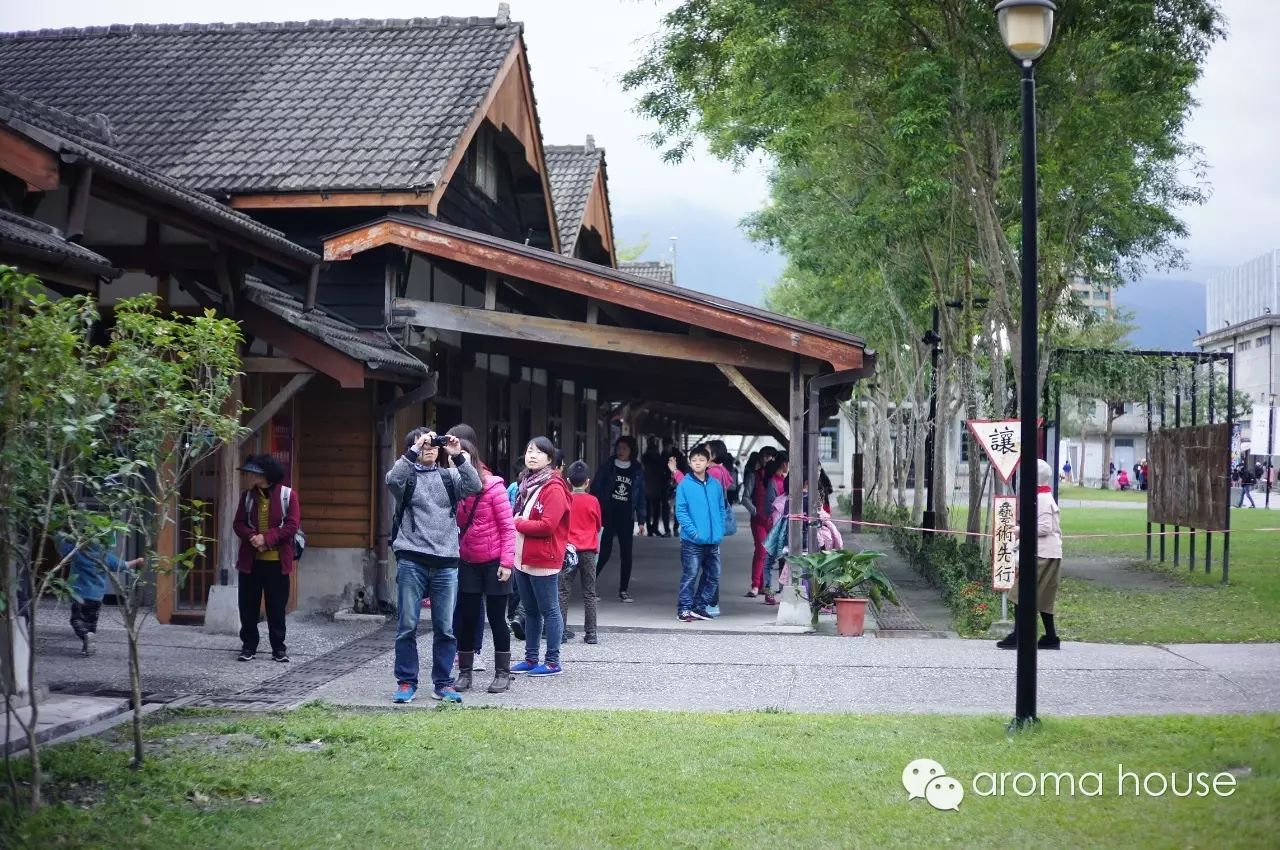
[(850, 614)]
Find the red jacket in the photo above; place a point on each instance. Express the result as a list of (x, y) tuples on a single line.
[(585, 522), (277, 536), (543, 532), (490, 530)]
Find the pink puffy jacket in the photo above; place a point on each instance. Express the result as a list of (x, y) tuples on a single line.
[(490, 529)]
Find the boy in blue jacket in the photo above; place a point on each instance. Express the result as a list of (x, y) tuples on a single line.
[(89, 585), (700, 507)]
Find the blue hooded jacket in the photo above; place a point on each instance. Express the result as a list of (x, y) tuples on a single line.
[(700, 507), (89, 569)]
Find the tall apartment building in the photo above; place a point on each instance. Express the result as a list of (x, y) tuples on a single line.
[(1242, 314)]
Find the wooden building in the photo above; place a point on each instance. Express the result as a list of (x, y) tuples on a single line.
[(469, 271)]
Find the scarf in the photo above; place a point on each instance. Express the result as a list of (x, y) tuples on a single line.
[(530, 484)]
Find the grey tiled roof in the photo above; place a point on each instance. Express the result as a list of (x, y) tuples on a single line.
[(374, 349), (651, 269), (322, 105), (72, 136), (24, 237), (571, 170)]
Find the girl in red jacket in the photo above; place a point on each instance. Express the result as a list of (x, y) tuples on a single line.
[(542, 532), (486, 549)]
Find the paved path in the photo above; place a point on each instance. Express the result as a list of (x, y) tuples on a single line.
[(712, 671), (814, 673)]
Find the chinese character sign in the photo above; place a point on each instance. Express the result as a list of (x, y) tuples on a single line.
[(1001, 440), (1004, 542)]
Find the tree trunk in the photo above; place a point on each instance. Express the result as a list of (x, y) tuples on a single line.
[(135, 683), (1106, 447)]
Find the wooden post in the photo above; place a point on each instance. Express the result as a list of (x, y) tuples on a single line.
[(811, 466), (228, 466), (795, 502)]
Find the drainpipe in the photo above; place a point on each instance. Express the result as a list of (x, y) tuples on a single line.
[(843, 378)]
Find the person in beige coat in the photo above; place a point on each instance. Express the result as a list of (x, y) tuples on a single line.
[(1048, 560)]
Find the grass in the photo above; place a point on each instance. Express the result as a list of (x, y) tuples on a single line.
[(1195, 607), (503, 778), (1071, 492)]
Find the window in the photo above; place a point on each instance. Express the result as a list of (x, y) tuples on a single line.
[(829, 444), (1263, 340), (484, 163), (1244, 345)]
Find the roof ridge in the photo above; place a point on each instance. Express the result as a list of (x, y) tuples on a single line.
[(98, 131), (334, 24)]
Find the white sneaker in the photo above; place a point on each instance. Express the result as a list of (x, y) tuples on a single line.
[(88, 645)]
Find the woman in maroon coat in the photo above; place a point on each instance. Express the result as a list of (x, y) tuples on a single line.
[(267, 519)]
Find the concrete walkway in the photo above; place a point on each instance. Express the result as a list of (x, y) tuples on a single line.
[(655, 582), (815, 673)]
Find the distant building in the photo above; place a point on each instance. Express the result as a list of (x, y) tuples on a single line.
[(659, 270), (1100, 298), (1242, 311)]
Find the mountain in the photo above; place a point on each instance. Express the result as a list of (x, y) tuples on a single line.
[(713, 255), (1168, 313)]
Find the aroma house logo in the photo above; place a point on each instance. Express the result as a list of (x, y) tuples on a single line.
[(928, 779)]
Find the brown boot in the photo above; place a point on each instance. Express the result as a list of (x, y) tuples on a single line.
[(501, 672), (465, 661)]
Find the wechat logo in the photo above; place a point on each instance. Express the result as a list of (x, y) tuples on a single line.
[(928, 779)]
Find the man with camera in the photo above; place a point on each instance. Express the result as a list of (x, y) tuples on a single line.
[(424, 537)]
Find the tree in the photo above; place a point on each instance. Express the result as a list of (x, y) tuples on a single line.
[(171, 380), (50, 412), (631, 252), (894, 124)]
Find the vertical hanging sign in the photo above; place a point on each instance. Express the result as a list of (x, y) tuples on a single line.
[(1004, 542)]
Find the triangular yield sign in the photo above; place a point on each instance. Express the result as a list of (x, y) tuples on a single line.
[(1001, 439)]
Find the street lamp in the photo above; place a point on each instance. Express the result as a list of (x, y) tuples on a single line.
[(1026, 27)]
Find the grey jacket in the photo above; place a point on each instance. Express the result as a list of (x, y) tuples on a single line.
[(429, 528)]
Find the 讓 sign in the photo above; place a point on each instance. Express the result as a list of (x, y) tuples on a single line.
[(1004, 542), (1001, 439)]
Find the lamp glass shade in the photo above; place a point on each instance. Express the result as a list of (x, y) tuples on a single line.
[(1026, 30)]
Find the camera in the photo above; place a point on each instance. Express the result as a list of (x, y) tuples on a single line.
[(439, 442)]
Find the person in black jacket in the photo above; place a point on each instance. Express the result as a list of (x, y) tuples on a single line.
[(620, 488)]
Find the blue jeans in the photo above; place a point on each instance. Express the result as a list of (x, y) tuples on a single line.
[(413, 582), (540, 596), (695, 557)]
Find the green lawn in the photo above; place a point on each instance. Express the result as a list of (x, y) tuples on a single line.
[(1199, 609), (1068, 492), (323, 777)]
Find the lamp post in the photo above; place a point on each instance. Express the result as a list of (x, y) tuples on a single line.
[(934, 341), (1026, 27)]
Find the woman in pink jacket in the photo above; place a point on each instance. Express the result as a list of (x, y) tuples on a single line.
[(486, 549)]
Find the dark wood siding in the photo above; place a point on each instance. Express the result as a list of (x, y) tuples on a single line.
[(335, 465)]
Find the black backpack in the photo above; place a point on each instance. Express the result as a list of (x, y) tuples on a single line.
[(406, 499)]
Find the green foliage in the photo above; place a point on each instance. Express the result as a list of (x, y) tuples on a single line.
[(954, 566), (842, 574), (634, 251)]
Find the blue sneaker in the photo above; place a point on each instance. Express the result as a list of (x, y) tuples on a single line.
[(546, 669), (446, 693), (524, 666), (713, 611), (405, 692)]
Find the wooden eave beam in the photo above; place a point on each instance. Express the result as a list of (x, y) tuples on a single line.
[(758, 401), (35, 165), (274, 366), (347, 371), (299, 200), (470, 320), (272, 407), (571, 279)]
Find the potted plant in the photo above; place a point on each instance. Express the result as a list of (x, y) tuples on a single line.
[(851, 580)]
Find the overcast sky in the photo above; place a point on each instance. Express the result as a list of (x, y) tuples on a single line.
[(578, 48)]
